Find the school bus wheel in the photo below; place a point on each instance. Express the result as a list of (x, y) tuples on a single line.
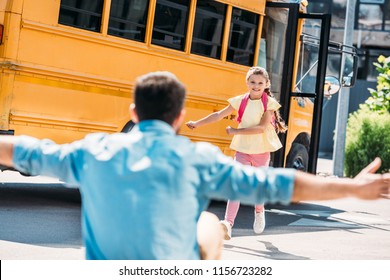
[(5, 168), (128, 126), (298, 157)]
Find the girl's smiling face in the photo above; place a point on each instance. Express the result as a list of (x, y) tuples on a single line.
[(256, 85)]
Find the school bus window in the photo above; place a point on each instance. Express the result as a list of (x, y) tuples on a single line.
[(243, 32), (84, 14), (128, 19), (208, 28), (170, 23)]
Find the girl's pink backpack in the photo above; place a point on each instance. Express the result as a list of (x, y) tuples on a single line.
[(244, 102)]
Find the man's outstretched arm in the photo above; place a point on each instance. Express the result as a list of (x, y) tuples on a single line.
[(6, 150), (366, 185)]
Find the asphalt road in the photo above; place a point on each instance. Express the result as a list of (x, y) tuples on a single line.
[(345, 229), (40, 220)]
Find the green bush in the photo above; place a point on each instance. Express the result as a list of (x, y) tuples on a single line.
[(380, 98), (368, 136)]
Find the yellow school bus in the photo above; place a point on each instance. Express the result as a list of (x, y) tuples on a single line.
[(67, 67)]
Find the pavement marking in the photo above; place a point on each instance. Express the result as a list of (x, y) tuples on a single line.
[(314, 213), (330, 219), (328, 224)]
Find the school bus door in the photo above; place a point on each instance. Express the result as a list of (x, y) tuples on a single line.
[(297, 72)]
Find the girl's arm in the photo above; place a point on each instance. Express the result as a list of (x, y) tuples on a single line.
[(260, 128), (213, 117)]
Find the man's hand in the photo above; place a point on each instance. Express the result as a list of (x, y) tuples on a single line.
[(371, 168), (6, 150), (366, 185), (371, 185)]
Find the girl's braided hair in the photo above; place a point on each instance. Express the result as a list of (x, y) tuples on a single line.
[(280, 125)]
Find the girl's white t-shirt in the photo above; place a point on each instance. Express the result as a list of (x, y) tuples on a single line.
[(255, 143)]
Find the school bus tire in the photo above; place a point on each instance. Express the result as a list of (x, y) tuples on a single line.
[(298, 157), (128, 126), (5, 168)]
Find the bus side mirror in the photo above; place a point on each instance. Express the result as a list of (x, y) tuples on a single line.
[(350, 71), (331, 86)]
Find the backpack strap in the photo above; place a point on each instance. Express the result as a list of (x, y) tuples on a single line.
[(264, 99), (244, 102)]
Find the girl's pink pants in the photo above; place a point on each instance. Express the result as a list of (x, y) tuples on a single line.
[(247, 159)]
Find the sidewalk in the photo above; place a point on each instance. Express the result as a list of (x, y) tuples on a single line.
[(344, 229), (325, 166)]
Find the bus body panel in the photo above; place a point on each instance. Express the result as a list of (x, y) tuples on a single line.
[(68, 82), (61, 82)]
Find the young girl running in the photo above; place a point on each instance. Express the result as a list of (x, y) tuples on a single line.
[(256, 136)]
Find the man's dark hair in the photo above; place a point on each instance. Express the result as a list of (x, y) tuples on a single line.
[(159, 96)]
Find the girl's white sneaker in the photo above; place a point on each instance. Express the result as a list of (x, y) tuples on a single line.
[(259, 223), (227, 229)]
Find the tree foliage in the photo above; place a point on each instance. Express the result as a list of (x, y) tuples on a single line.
[(368, 129), (368, 136), (380, 98)]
